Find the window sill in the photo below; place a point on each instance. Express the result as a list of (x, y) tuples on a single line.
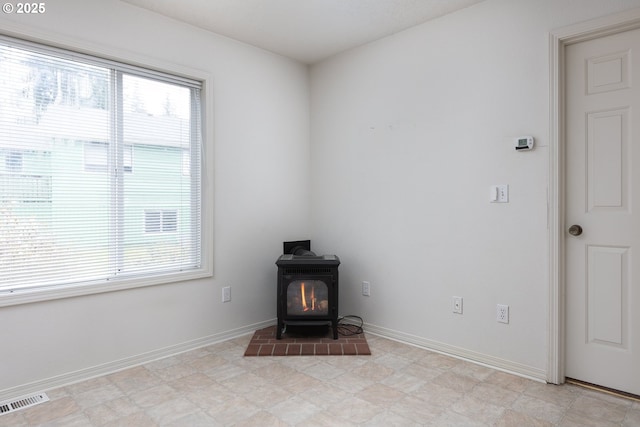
[(29, 296)]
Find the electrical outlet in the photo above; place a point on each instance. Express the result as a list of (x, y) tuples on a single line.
[(226, 294), (502, 313), (366, 289), (457, 305), (499, 193)]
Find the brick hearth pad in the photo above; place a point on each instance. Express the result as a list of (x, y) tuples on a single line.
[(306, 342)]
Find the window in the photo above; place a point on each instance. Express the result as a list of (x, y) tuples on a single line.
[(72, 127)]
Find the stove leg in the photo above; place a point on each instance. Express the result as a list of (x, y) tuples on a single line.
[(279, 330), (334, 325)]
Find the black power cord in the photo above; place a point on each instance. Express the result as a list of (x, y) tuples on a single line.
[(351, 328)]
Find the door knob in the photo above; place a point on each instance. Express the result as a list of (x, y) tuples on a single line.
[(575, 230)]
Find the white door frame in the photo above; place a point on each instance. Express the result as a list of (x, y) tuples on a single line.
[(558, 39)]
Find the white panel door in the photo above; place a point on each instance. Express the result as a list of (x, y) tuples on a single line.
[(602, 197)]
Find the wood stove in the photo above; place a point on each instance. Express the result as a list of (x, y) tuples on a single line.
[(307, 288)]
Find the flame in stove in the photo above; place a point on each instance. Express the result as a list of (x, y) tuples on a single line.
[(304, 298), (305, 306)]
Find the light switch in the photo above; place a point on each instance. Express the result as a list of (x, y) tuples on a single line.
[(499, 193)]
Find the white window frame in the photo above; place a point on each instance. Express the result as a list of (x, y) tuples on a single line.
[(137, 59)]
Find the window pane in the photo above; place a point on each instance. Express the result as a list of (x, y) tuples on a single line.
[(157, 125), (74, 208), (52, 215)]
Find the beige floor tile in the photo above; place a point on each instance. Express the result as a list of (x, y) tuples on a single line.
[(274, 372), (493, 394), (453, 419), (539, 408), (478, 410), (75, 420), (472, 370), (417, 410), (421, 372), (355, 410), (438, 395), (563, 395), (393, 361), (297, 382), (232, 411), (380, 394), (224, 372), (207, 362), (576, 419), (351, 383), (123, 406), (437, 361), (633, 418), (457, 382), (154, 396), (101, 414), (49, 411), (391, 419), (509, 381), (175, 371), (135, 379), (138, 419), (262, 419), (373, 371), (600, 409), (15, 419), (382, 344), (211, 396), (326, 419), (347, 363), (197, 419), (404, 382), (325, 395), (323, 371), (98, 395), (172, 410), (295, 410), (81, 387), (301, 363), (193, 382), (251, 364), (265, 396), (513, 418)]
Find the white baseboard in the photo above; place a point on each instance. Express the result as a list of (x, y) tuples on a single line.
[(118, 365), (460, 353)]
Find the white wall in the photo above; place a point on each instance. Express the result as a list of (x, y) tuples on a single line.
[(408, 134), (259, 131)]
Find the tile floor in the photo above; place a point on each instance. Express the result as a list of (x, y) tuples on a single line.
[(398, 385)]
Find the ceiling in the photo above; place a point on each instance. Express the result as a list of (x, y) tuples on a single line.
[(306, 30)]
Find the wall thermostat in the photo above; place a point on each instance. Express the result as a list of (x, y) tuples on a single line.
[(523, 143)]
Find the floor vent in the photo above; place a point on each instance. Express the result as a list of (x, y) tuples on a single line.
[(22, 403)]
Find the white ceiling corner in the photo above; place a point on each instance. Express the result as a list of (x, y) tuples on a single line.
[(306, 30)]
